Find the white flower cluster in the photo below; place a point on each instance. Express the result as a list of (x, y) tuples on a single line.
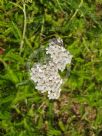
[(59, 55), (46, 76)]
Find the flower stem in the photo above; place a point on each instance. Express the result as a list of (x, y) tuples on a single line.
[(24, 28)]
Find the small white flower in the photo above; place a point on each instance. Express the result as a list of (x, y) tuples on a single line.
[(54, 95)]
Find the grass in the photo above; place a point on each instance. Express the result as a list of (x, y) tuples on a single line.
[(26, 26)]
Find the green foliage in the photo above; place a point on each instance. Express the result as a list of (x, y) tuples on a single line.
[(26, 26)]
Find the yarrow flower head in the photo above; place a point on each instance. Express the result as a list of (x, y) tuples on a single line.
[(60, 56), (46, 76)]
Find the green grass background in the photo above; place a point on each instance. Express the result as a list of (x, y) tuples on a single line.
[(28, 25)]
